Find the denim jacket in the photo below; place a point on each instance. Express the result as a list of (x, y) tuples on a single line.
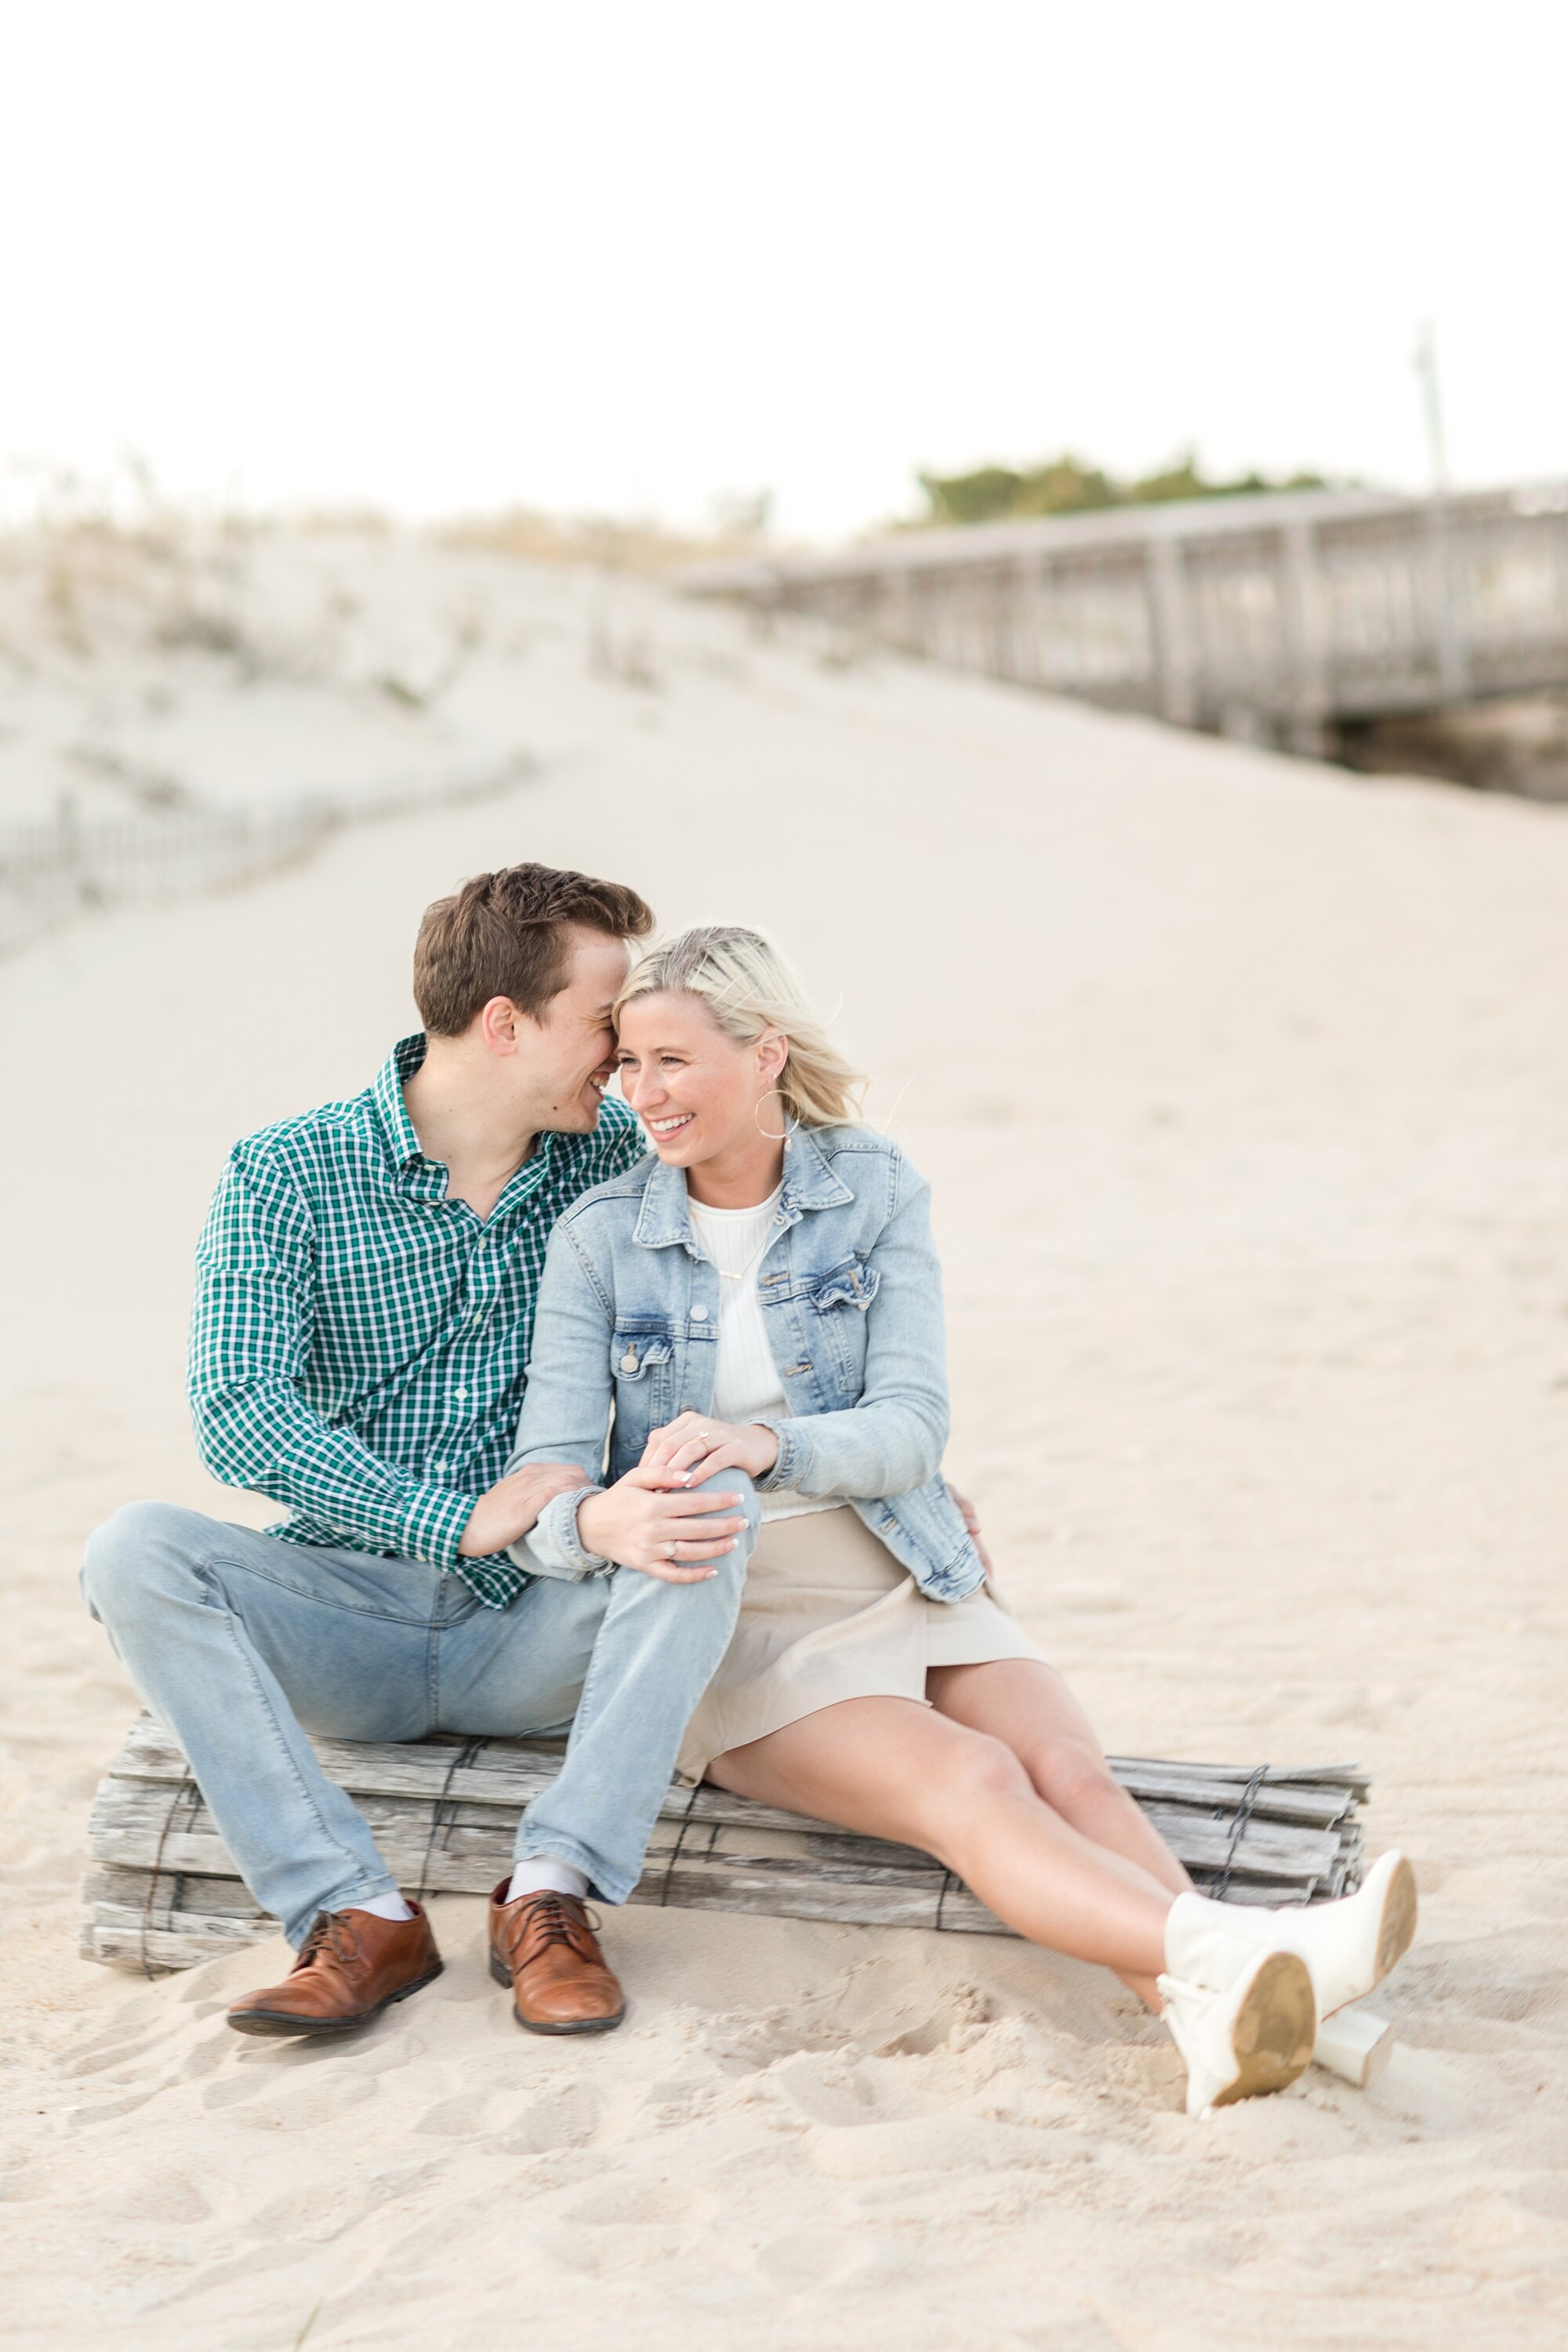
[(628, 1324)]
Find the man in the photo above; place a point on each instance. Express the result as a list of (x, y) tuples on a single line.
[(365, 1291)]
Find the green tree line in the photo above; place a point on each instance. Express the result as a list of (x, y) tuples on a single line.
[(1063, 486)]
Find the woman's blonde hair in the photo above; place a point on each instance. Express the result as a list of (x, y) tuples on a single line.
[(748, 988)]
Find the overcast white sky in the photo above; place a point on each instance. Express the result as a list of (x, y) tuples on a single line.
[(626, 254)]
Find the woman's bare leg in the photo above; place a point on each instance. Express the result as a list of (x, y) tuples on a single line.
[(893, 1769), (1027, 1706)]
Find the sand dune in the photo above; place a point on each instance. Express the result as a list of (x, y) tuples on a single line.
[(1240, 1087)]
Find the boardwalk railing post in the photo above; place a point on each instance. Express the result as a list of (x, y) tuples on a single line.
[(1453, 655), (1171, 631), (1301, 607)]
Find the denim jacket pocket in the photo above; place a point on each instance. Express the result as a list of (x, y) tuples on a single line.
[(853, 1284), (837, 1330), (643, 1362), (635, 1353)]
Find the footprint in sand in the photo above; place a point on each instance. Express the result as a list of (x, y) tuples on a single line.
[(470, 2114), (569, 2119), (161, 2197), (205, 2059), (762, 2041), (828, 2089), (374, 2052), (286, 2101), (235, 2089), (953, 2144), (104, 2056), (965, 2015), (632, 2204), (322, 2210), (667, 2105), (102, 2111), (805, 2259)]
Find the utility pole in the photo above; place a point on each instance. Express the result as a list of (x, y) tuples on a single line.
[(1453, 665), (1425, 365)]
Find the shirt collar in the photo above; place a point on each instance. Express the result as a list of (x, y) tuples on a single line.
[(425, 1179), (808, 1184), (392, 1112)]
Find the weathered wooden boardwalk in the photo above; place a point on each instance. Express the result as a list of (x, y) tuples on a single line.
[(1276, 617), (163, 1892)]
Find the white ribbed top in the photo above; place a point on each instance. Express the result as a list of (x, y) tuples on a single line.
[(746, 1382)]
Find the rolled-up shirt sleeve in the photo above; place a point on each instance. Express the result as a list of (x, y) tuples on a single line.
[(250, 1340)]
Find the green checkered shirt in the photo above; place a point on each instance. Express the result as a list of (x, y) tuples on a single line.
[(359, 1340)]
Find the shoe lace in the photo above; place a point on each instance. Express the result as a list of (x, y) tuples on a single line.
[(329, 1932), (548, 1918)]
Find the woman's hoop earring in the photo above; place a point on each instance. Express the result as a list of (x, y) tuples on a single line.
[(790, 1124)]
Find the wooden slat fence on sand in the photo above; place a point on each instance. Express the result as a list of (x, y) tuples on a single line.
[(163, 1893), (55, 868)]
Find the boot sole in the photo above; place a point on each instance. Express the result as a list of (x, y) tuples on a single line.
[(1274, 2031), (1397, 1932), (276, 2024), (502, 1976)]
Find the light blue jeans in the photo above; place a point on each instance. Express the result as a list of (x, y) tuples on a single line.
[(241, 1645)]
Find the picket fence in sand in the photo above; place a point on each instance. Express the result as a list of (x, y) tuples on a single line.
[(56, 867)]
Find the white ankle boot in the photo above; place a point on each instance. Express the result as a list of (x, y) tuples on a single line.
[(1355, 2044), (1349, 1946), (1242, 2016), (1255, 2038)]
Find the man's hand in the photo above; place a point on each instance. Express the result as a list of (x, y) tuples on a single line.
[(971, 1517), (639, 1523), (506, 1513)]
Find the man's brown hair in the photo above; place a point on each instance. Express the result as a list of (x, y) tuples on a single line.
[(504, 934)]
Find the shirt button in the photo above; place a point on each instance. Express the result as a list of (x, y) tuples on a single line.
[(439, 1469), (460, 1395), (699, 1314)]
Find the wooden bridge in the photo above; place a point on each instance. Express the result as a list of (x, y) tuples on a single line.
[(1279, 618)]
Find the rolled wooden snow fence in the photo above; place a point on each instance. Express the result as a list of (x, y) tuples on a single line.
[(163, 1893)]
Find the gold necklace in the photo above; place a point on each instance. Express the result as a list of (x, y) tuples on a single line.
[(723, 1272)]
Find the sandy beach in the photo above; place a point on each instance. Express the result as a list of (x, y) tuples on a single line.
[(1239, 1082)]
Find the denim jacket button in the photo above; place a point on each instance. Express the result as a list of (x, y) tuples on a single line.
[(699, 1314)]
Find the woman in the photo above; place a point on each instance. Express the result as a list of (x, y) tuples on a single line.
[(757, 1307)]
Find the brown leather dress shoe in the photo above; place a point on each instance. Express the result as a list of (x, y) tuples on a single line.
[(351, 1966), (545, 1946)]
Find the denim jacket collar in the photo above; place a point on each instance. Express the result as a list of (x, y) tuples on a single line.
[(808, 1184)]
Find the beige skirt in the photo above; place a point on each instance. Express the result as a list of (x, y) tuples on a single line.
[(830, 1614)]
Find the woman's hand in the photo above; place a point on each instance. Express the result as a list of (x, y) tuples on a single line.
[(640, 1523), (695, 1446)]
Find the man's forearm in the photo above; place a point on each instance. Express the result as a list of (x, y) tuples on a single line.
[(275, 1445)]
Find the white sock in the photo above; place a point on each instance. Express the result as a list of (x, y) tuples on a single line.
[(383, 1906), (547, 1876)]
